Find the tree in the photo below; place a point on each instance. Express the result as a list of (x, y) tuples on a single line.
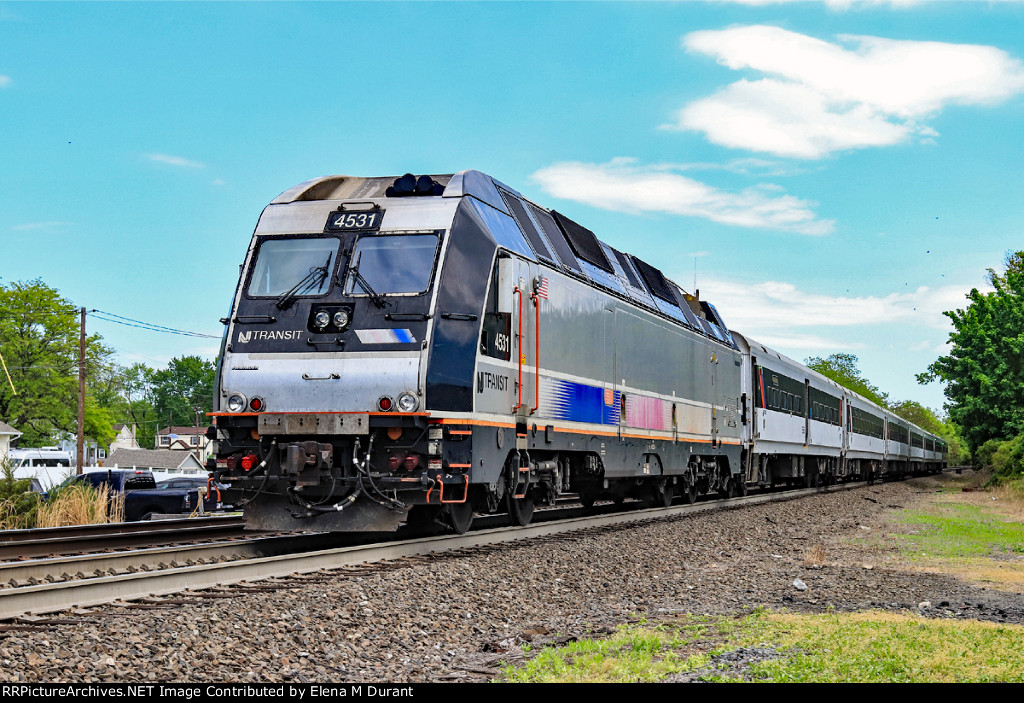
[(984, 369), (39, 333), (923, 417), (185, 385), (126, 393), (842, 368)]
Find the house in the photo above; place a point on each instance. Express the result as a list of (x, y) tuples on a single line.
[(7, 435), (125, 438), (185, 438), (162, 462), (92, 452)]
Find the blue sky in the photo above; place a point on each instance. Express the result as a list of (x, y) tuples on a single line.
[(837, 173)]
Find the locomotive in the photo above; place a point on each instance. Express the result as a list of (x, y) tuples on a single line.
[(416, 350)]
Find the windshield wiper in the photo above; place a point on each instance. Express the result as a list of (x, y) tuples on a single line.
[(314, 279), (374, 296)]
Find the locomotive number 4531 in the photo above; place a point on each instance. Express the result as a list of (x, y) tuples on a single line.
[(354, 220)]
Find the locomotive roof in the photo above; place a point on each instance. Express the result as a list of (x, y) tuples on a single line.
[(552, 238)]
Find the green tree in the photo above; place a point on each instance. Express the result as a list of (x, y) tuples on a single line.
[(842, 368), (185, 385), (923, 417), (126, 393), (984, 369), (39, 333)]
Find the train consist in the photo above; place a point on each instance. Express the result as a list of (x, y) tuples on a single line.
[(420, 349)]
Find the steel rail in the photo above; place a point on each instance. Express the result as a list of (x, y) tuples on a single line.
[(91, 565), (98, 541), (54, 597), (164, 525)]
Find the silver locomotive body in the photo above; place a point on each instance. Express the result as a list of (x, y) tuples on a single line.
[(415, 349)]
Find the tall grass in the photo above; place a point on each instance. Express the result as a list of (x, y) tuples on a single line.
[(77, 504)]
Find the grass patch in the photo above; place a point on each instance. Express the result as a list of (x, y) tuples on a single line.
[(781, 647), (633, 653), (976, 535), (957, 530)]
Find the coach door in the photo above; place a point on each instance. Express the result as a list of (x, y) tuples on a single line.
[(807, 412)]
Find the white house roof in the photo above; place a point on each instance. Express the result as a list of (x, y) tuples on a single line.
[(151, 459), (8, 430)]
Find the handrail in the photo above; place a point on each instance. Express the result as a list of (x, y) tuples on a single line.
[(519, 351), (465, 492), (536, 358)]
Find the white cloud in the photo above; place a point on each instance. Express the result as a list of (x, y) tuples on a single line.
[(624, 186), (776, 307), (821, 97), (805, 342), (175, 160), (4, 81)]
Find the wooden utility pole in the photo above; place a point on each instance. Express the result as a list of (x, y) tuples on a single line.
[(81, 395)]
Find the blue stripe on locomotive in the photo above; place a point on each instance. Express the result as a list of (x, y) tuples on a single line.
[(579, 402)]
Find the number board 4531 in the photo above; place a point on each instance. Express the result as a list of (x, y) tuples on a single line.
[(364, 219)]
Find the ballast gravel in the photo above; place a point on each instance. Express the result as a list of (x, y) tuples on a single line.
[(458, 617)]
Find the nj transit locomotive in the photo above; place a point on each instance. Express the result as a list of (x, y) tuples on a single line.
[(420, 349)]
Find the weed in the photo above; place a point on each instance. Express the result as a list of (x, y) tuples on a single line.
[(780, 647)]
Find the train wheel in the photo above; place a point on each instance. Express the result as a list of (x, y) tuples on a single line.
[(520, 510), (690, 492), (587, 499), (728, 489), (459, 516), (741, 487)]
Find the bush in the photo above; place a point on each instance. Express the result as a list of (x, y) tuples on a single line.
[(983, 454), (1008, 459), (18, 502)]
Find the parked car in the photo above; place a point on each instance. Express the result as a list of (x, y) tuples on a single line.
[(142, 498), (213, 489)]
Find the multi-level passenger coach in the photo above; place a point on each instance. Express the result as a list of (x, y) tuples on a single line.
[(423, 348)]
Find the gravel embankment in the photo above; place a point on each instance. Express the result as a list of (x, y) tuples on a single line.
[(457, 618)]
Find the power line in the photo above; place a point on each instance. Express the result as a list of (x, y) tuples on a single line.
[(152, 327)]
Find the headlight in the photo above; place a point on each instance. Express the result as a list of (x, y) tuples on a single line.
[(407, 402), (322, 319), (236, 403), (341, 319)]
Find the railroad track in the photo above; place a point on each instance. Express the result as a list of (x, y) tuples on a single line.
[(81, 539), (210, 569)]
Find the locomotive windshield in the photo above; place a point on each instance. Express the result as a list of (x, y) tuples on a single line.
[(392, 264), (293, 266)]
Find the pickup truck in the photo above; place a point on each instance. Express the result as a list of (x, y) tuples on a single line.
[(141, 496)]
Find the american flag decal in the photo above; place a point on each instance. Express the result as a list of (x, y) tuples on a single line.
[(540, 284)]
